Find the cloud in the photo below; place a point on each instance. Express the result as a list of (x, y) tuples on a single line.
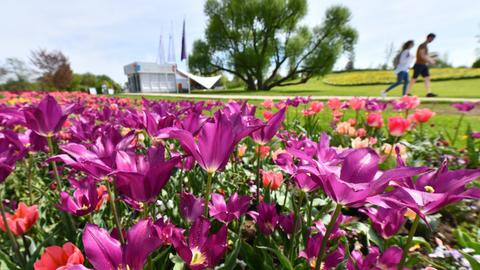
[(102, 36)]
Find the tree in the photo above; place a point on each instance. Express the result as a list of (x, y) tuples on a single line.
[(18, 69), (351, 61), (442, 61), (261, 43), (389, 51), (54, 67)]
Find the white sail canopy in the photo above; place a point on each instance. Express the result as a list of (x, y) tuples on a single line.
[(207, 82)]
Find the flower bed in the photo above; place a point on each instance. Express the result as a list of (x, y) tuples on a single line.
[(112, 183), (372, 77)]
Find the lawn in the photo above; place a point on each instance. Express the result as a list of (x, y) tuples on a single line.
[(467, 88)]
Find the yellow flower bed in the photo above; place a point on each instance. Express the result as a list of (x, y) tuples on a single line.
[(371, 77)]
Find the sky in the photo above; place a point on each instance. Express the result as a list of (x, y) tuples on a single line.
[(101, 36)]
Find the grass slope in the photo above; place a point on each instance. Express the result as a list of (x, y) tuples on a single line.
[(467, 88)]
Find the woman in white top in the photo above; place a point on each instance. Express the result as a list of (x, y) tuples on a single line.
[(403, 62)]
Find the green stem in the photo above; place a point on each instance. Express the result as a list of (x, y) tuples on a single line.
[(457, 128), (29, 178), (411, 233), (309, 211), (392, 149), (330, 226), (111, 198), (16, 248), (54, 164), (207, 193), (257, 174)]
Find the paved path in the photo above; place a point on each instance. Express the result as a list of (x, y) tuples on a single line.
[(252, 97)]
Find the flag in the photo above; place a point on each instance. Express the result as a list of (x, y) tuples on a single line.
[(184, 44)]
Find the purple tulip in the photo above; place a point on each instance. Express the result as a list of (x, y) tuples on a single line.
[(227, 212), (106, 253), (386, 222), (85, 198), (358, 178), (142, 177), (99, 160), (374, 261), (153, 122), (11, 150), (191, 207), (311, 252), (47, 118), (168, 233), (202, 250), (263, 135), (287, 223), (336, 231), (431, 192), (192, 123), (375, 105), (216, 142), (266, 217), (464, 107), (476, 135)]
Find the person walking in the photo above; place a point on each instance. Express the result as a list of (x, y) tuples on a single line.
[(402, 63), (421, 66)]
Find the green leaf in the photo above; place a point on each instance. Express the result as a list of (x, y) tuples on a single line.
[(465, 240), (4, 258), (281, 258), (473, 262), (421, 241), (231, 260), (253, 258), (177, 261)]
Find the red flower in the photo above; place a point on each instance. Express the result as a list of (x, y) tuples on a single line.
[(274, 179), (57, 258), (398, 125), (423, 115), (316, 106), (267, 115), (264, 150), (375, 120), (356, 103), (23, 219)]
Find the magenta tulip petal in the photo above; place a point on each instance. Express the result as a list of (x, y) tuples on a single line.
[(103, 251)]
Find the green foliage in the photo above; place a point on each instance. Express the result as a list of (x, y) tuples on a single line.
[(256, 40), (476, 64)]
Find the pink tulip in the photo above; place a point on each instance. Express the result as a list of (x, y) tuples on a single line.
[(356, 103), (423, 115), (398, 125), (267, 104), (375, 120), (316, 106), (334, 104)]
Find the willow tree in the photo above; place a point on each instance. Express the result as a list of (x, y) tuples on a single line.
[(263, 43)]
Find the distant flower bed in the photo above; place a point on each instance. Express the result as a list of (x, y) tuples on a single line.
[(372, 77)]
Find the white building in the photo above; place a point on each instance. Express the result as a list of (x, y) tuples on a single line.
[(147, 77)]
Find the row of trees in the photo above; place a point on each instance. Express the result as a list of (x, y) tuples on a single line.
[(48, 70)]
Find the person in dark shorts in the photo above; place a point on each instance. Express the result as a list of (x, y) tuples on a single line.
[(421, 66)]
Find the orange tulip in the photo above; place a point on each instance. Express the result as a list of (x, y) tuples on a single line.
[(23, 219), (57, 258), (272, 179)]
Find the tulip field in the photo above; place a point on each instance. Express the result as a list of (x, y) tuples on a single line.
[(110, 183)]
